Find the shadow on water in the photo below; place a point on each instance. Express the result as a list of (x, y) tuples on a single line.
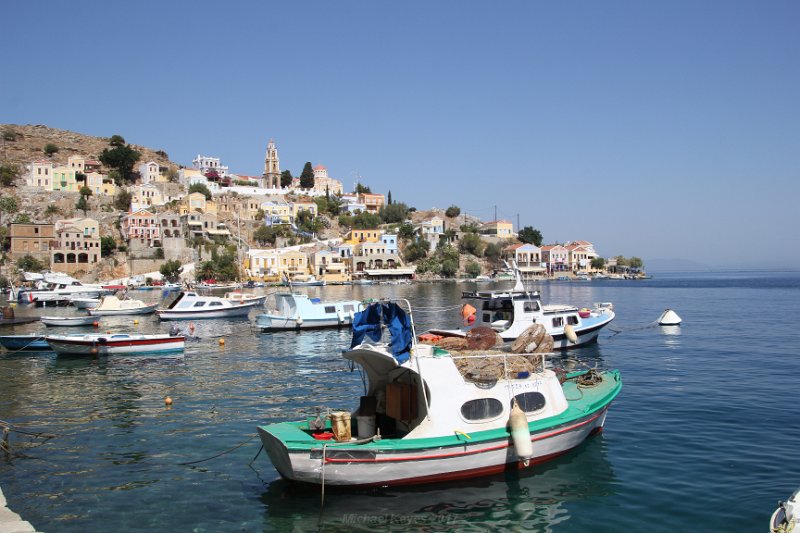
[(534, 499)]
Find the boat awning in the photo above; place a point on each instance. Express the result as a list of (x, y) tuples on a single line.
[(367, 323), (404, 271)]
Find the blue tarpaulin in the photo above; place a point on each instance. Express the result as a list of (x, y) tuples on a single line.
[(367, 323)]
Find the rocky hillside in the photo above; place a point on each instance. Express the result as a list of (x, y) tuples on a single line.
[(23, 144)]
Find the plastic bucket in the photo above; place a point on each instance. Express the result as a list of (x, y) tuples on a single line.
[(366, 426)]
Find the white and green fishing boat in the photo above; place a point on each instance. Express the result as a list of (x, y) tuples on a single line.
[(432, 415)]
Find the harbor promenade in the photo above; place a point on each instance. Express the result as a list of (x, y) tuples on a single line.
[(11, 522)]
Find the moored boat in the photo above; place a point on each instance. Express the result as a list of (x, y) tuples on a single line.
[(299, 311), (511, 312), (24, 342), (786, 516), (311, 281), (117, 343), (431, 415), (191, 306), (242, 297), (84, 303), (86, 320), (113, 306)]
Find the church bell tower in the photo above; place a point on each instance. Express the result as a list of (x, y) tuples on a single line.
[(272, 167)]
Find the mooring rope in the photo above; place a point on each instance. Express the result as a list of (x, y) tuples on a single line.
[(220, 454)]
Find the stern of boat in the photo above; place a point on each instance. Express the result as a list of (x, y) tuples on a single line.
[(278, 453)]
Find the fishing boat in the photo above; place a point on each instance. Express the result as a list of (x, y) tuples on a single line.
[(189, 305), (86, 320), (299, 311), (117, 343), (785, 518), (511, 312), (24, 342), (113, 306), (431, 415), (59, 288)]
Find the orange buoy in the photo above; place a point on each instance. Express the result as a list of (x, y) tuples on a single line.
[(168, 401), (191, 327), (222, 342), (96, 324)]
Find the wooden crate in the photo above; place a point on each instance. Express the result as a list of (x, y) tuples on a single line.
[(401, 401)]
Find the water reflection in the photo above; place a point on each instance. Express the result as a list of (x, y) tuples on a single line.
[(536, 499)]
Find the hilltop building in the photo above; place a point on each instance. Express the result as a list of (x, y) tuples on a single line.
[(272, 167)]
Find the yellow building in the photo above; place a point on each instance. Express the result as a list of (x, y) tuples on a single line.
[(364, 235), (277, 213), (101, 184), (64, 179), (502, 229), (196, 201), (299, 207)]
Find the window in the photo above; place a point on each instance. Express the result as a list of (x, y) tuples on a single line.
[(199, 304), (530, 402), (558, 322), (530, 307), (481, 409), (212, 304), (572, 319), (330, 309)]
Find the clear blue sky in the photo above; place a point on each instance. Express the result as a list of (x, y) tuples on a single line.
[(656, 129)]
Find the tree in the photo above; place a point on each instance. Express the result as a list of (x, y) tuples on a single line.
[(307, 177), (8, 204), (473, 269), (122, 200), (265, 235), (83, 201), (8, 174), (121, 158), (286, 178), (598, 263), (50, 149), (449, 258), (172, 175), (200, 187), (107, 245), (22, 218), (366, 220), (471, 243), (452, 211), (28, 263), (171, 270), (389, 198), (393, 213), (406, 231), (493, 252), (528, 235), (635, 262), (417, 250), (362, 189)]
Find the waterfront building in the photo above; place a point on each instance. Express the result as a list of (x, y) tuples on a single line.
[(77, 245), (31, 239), (141, 225), (327, 265), (528, 258), (555, 257), (272, 167), (390, 242), (580, 256)]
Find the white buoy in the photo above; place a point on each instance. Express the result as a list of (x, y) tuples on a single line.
[(669, 318), (520, 433), (569, 331)]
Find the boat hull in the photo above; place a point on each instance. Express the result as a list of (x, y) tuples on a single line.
[(24, 342), (109, 345), (68, 320), (281, 323), (352, 465), (146, 310), (189, 314)]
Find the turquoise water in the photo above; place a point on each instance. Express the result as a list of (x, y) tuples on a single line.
[(703, 436)]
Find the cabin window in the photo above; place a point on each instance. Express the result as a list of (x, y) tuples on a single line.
[(199, 304), (487, 317), (572, 319), (530, 307), (530, 402), (558, 322), (330, 309), (212, 304), (481, 409), (348, 308)]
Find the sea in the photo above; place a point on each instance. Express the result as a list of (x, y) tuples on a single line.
[(704, 435)]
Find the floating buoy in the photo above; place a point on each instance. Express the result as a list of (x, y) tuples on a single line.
[(222, 342), (569, 331), (168, 401), (96, 324), (520, 433), (299, 321), (93, 351), (135, 322), (191, 328), (669, 318)]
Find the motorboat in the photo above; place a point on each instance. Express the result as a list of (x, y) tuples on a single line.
[(116, 343), (241, 297), (83, 320), (511, 312), (312, 281), (24, 342), (113, 306), (189, 305), (59, 288), (299, 311), (785, 518), (84, 303), (430, 415)]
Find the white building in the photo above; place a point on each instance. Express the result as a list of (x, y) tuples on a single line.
[(207, 164), (149, 172)]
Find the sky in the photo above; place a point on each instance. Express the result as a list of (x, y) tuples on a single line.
[(662, 130)]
